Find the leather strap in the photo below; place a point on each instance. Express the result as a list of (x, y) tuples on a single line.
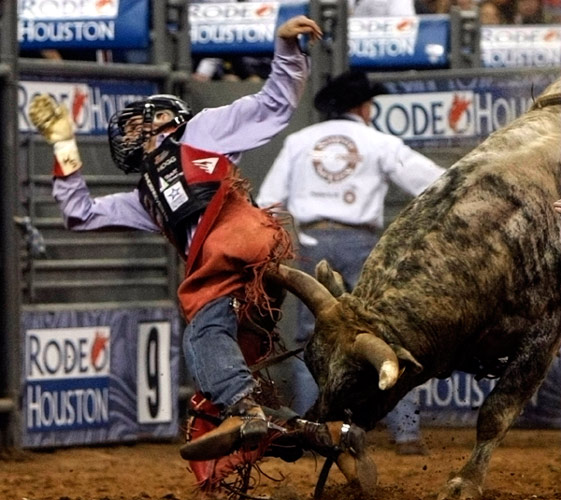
[(547, 100)]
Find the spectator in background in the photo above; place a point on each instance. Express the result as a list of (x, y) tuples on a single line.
[(90, 55), (529, 12), (552, 11), (333, 178), (444, 6), (465, 4), (431, 6), (489, 13), (207, 68), (377, 8), (507, 8)]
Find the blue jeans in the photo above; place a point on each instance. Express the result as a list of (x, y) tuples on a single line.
[(213, 356), (346, 250)]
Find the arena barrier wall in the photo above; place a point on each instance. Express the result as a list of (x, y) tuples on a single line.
[(91, 283), (100, 375)]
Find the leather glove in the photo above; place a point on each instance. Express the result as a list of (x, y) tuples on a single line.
[(54, 123)]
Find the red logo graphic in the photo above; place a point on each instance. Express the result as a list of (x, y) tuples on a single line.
[(404, 25), (78, 104), (551, 36), (263, 10), (457, 111), (99, 4), (99, 347)]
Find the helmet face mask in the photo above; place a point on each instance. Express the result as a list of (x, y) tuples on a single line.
[(130, 130)]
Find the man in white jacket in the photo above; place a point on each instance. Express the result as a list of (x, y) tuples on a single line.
[(333, 178)]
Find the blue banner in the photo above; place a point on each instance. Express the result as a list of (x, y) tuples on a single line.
[(90, 102), (67, 404), (83, 24), (521, 46), (419, 42), (456, 401), (100, 376), (238, 27), (456, 111)]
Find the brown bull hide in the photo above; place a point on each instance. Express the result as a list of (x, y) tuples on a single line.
[(468, 274)]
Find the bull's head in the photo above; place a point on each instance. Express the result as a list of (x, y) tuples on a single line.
[(347, 356)]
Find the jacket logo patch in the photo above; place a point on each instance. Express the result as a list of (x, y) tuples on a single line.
[(206, 164), (175, 196), (335, 157)]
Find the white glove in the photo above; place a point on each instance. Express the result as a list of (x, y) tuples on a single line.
[(54, 123)]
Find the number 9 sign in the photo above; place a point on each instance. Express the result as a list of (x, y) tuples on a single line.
[(153, 384)]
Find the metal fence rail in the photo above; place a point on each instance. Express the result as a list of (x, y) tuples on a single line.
[(9, 277), (97, 267)]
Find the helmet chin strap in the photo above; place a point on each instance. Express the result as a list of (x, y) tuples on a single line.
[(175, 122), (147, 121), (148, 132)]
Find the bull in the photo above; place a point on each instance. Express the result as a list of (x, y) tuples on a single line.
[(467, 277)]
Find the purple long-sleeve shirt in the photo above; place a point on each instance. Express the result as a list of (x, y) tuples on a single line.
[(247, 123)]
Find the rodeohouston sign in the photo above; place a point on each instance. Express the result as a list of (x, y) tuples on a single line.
[(456, 111), (91, 103), (87, 24), (411, 42), (249, 27), (98, 376), (407, 42), (520, 46)]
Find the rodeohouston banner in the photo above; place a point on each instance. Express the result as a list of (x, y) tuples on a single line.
[(520, 46), (455, 401), (447, 111), (388, 42), (238, 27), (90, 103), (417, 42), (83, 24), (99, 376)]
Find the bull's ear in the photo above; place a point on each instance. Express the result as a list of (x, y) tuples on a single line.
[(330, 279), (305, 287), (405, 355)]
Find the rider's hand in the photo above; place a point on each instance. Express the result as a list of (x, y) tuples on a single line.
[(51, 119), (299, 25), (557, 206), (55, 125)]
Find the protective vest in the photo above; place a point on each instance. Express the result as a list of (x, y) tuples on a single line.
[(177, 183)]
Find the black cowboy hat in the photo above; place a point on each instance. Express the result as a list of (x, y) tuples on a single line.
[(346, 91)]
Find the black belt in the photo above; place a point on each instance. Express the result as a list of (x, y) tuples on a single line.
[(331, 224)]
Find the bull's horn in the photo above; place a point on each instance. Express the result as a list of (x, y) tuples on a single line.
[(305, 287), (332, 280), (380, 355)]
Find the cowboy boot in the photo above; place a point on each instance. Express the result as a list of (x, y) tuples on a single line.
[(244, 425)]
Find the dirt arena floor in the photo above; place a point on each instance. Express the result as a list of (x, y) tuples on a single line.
[(527, 466)]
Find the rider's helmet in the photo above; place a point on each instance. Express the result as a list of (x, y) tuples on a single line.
[(130, 128)]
